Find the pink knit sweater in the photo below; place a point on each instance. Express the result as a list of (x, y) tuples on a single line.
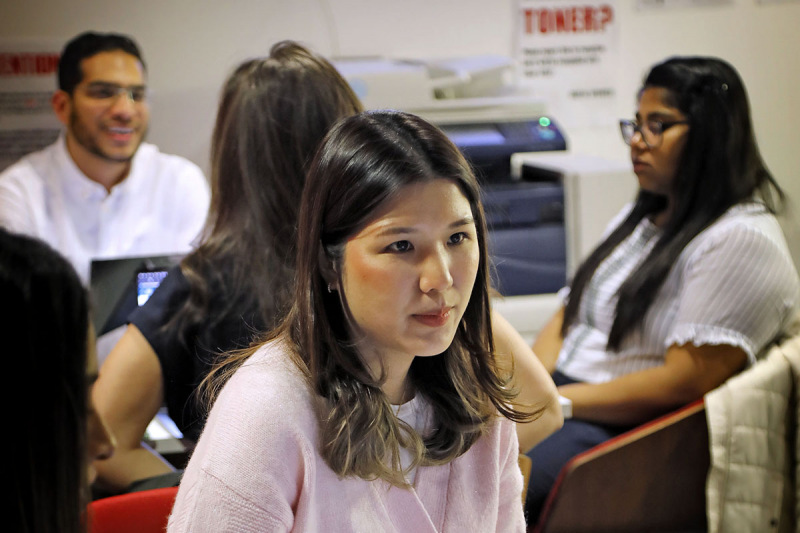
[(256, 468)]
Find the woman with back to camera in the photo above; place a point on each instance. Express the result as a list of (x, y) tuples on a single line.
[(56, 432), (694, 279), (273, 113), (377, 405)]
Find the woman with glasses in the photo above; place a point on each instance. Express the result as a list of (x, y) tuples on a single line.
[(693, 280)]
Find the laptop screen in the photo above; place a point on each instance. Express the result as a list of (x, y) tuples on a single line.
[(146, 283), (118, 286)]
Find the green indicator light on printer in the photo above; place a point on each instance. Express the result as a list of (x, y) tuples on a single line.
[(544, 122)]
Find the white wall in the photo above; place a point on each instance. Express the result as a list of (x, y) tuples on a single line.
[(191, 45)]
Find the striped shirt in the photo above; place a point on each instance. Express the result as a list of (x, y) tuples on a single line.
[(734, 283)]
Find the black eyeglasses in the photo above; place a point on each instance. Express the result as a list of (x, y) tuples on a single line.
[(109, 92), (651, 131)]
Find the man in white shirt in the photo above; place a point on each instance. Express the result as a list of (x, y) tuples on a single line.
[(99, 191)]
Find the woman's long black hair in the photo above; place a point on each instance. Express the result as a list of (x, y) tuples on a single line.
[(45, 332), (720, 167)]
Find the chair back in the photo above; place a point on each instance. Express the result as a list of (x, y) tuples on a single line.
[(651, 478), (145, 511)]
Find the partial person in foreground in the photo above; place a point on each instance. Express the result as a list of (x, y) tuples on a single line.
[(100, 191), (56, 432), (378, 403), (273, 113), (693, 281)]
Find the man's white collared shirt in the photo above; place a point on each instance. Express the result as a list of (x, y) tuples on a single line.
[(159, 208)]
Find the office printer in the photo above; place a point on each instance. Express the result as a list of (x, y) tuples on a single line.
[(527, 240), (595, 189), (474, 102)]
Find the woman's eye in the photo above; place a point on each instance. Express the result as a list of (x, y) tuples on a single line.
[(400, 246), (655, 126), (457, 238)]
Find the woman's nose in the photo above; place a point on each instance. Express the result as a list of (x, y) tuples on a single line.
[(637, 140), (435, 272)]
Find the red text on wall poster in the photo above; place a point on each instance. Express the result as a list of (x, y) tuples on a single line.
[(28, 71), (28, 64)]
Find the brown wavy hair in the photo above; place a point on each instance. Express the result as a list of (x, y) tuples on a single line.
[(273, 113), (365, 161)]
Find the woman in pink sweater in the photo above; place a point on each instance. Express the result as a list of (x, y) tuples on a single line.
[(378, 404)]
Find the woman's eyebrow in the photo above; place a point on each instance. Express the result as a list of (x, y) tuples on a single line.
[(399, 230), (658, 115), (466, 221)]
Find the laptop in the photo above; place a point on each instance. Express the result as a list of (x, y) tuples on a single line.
[(118, 286)]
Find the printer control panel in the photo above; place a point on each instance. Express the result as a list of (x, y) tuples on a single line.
[(489, 145)]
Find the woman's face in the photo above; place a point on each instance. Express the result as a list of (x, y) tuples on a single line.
[(99, 440), (408, 274), (656, 167)]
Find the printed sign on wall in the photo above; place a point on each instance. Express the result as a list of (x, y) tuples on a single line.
[(567, 54), (27, 81)]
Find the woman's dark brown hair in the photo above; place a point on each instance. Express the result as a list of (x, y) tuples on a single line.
[(272, 115), (365, 161)]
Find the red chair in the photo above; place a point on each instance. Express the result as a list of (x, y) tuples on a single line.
[(651, 478), (146, 511)]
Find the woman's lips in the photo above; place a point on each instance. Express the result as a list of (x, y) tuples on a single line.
[(434, 320)]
